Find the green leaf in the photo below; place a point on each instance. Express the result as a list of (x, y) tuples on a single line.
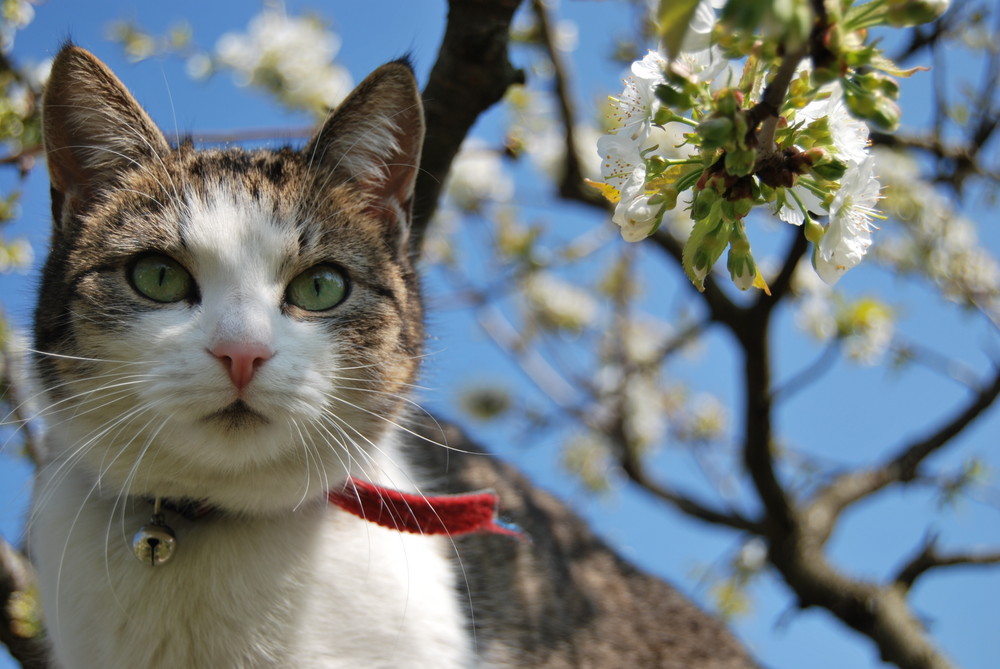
[(673, 17)]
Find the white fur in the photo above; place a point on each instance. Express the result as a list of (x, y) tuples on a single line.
[(278, 577), (310, 588)]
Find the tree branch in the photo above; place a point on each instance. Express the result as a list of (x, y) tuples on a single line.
[(767, 111), (471, 74), (929, 558), (830, 502), (636, 472)]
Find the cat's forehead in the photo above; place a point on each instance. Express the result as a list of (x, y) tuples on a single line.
[(224, 226)]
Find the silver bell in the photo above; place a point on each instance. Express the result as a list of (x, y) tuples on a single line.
[(154, 544)]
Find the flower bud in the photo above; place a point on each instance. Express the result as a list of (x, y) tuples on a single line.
[(740, 263), (740, 162), (666, 197), (886, 114), (814, 231), (708, 240), (727, 101), (703, 201), (715, 132), (829, 168)]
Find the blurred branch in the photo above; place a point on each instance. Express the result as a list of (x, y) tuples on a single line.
[(811, 374), (830, 502), (571, 185), (929, 558), (472, 72), (535, 367), (950, 368), (17, 592)]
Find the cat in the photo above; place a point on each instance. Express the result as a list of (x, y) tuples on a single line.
[(227, 338)]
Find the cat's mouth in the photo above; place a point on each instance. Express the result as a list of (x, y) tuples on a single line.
[(239, 414)]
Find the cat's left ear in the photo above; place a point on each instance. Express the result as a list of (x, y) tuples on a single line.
[(374, 139)]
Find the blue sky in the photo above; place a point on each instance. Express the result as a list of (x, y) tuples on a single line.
[(859, 414)]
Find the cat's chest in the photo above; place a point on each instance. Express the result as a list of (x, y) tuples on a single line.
[(313, 588)]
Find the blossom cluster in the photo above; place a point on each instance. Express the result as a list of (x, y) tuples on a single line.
[(798, 148), (290, 56)]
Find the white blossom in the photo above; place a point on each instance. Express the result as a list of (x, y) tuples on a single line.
[(791, 212), (633, 213), (848, 235), (633, 110), (850, 144), (850, 135), (566, 36), (699, 59)]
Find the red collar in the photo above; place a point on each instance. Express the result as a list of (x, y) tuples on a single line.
[(422, 514)]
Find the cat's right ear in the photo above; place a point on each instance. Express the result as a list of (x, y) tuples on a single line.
[(93, 130)]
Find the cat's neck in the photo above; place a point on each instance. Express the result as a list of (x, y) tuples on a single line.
[(356, 584)]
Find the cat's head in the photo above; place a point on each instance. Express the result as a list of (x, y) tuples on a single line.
[(238, 326)]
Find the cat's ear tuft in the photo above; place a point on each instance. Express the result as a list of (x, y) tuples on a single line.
[(93, 130), (374, 139)]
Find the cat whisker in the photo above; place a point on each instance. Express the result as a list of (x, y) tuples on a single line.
[(400, 426)]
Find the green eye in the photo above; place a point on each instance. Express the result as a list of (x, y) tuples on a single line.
[(317, 289), (161, 279)]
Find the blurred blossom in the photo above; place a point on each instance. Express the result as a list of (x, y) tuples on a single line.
[(36, 75), (815, 306), (477, 177), (753, 555), (703, 419), (15, 14), (586, 456), (566, 35), (15, 255), (290, 56), (558, 304), (547, 149), (699, 59), (936, 240), (645, 420), (869, 327), (199, 66), (643, 341)]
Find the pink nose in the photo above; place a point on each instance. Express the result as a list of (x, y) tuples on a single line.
[(242, 360)]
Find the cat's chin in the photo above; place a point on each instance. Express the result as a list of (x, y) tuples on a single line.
[(237, 416)]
